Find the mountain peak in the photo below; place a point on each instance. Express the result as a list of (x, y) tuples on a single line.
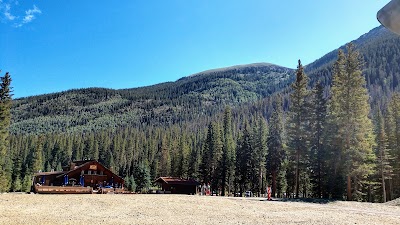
[(237, 67)]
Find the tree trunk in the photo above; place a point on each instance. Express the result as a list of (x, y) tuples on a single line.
[(297, 173), (383, 187), (273, 183), (391, 189), (369, 193), (223, 183), (260, 182), (229, 186), (319, 172), (349, 197), (382, 175), (319, 181)]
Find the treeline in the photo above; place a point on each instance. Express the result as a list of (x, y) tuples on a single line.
[(332, 134), (324, 146), (5, 119), (186, 100), (307, 144), (197, 99)]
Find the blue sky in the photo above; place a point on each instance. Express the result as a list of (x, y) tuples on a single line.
[(53, 45)]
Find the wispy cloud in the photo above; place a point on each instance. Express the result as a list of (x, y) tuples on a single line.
[(7, 12), (11, 12), (30, 14)]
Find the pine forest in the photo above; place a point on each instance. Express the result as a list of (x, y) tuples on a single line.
[(330, 129)]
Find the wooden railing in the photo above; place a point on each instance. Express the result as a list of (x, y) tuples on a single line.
[(62, 190)]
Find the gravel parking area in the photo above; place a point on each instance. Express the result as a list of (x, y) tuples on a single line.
[(184, 209)]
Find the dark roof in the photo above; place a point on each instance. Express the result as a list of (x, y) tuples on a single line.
[(176, 180), (48, 173), (78, 166)]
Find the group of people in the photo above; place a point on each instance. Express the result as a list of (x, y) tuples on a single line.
[(205, 189)]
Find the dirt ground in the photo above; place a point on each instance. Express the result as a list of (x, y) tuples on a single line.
[(184, 209)]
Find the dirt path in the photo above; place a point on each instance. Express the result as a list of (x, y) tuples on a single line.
[(181, 209)]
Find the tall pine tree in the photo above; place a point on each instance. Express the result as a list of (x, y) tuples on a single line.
[(276, 152), (393, 133), (5, 119), (349, 109), (297, 124), (244, 169), (385, 170), (318, 155), (228, 153), (259, 155)]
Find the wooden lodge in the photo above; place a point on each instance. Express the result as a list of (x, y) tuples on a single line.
[(175, 185), (80, 177)]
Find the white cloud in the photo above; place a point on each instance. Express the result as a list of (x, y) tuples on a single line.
[(7, 13), (11, 13), (30, 14)]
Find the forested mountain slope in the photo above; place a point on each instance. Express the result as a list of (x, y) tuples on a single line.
[(187, 99), (381, 52), (200, 95)]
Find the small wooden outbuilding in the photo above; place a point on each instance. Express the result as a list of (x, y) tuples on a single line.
[(176, 185), (86, 176)]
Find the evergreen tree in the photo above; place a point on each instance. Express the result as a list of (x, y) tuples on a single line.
[(16, 183), (318, 155), (244, 166), (165, 158), (259, 155), (130, 183), (26, 183), (194, 164), (183, 157), (276, 152), (37, 155), (393, 133), (211, 168), (228, 153), (5, 118), (297, 124), (216, 158), (385, 170), (89, 148), (142, 176), (59, 167), (349, 110)]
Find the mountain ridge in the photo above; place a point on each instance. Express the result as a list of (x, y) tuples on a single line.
[(204, 94), (380, 30)]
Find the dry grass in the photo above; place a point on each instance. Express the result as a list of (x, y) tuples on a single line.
[(182, 209)]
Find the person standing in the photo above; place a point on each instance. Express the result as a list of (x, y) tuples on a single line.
[(269, 193)]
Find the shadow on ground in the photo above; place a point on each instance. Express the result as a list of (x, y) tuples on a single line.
[(306, 200)]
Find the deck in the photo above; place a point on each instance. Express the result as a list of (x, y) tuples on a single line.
[(62, 190), (76, 190)]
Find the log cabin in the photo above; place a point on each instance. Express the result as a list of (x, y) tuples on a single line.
[(176, 185), (87, 176)]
